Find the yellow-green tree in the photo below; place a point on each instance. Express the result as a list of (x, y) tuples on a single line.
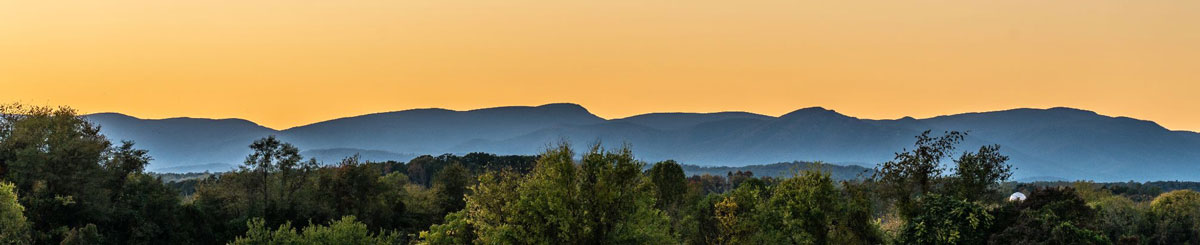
[(14, 229), (1178, 214), (602, 199), (346, 230)]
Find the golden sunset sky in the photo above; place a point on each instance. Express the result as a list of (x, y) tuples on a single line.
[(294, 62)]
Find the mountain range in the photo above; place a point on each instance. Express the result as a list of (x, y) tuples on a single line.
[(1042, 143)]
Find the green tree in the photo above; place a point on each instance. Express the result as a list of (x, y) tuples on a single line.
[(1054, 215), (279, 172), (737, 216), (450, 185), (14, 229), (700, 226), (803, 209), (85, 235), (147, 212), (670, 184), (670, 189), (346, 230), (947, 220), (123, 161), (977, 175), (455, 230), (486, 208), (54, 156), (260, 234), (604, 199), (1118, 217), (1178, 217), (915, 172), (856, 223)]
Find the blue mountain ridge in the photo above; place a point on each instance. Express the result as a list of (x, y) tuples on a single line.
[(1057, 142)]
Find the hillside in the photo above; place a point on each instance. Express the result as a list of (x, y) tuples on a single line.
[(1055, 143)]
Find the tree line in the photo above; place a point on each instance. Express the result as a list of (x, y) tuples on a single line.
[(62, 182)]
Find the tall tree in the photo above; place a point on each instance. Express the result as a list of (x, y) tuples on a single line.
[(451, 184), (604, 199), (915, 172), (123, 161), (804, 208), (670, 184), (278, 173), (54, 156), (1178, 217), (977, 174)]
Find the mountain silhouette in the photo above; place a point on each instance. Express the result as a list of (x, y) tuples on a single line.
[(1044, 143)]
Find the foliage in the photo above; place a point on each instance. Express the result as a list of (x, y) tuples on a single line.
[(1118, 217), (603, 199), (85, 235), (455, 230), (737, 215), (978, 174), (450, 185), (14, 229), (915, 172), (947, 220), (54, 158), (670, 184), (1048, 216), (346, 230), (803, 208), (856, 222), (700, 225), (148, 210), (78, 188), (1178, 217)]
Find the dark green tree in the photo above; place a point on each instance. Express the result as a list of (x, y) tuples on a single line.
[(915, 172), (147, 212), (978, 174), (1053, 215), (670, 184), (84, 235), (947, 220), (450, 185), (71, 178)]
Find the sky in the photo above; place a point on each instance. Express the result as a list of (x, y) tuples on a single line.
[(295, 62)]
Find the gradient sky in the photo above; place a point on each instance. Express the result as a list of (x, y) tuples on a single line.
[(293, 62)]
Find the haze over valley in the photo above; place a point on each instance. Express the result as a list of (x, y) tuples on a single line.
[(1055, 143)]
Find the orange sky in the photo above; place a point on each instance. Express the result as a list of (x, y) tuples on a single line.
[(292, 62)]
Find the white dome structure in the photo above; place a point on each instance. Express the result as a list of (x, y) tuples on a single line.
[(1016, 196)]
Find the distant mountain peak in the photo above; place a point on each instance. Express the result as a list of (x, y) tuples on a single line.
[(114, 115), (1072, 110), (815, 111), (111, 115), (563, 106)]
